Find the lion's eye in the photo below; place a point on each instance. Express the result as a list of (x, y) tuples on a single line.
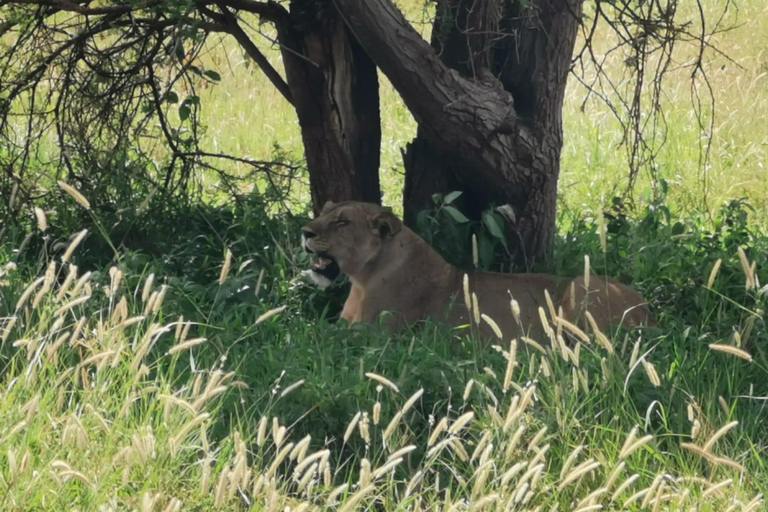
[(340, 222)]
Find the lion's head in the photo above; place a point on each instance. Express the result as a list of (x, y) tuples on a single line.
[(346, 237)]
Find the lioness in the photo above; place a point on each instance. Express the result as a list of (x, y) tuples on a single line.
[(393, 269)]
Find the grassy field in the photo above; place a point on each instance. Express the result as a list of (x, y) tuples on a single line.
[(197, 370)]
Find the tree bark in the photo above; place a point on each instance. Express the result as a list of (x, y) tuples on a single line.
[(488, 107), (335, 90)]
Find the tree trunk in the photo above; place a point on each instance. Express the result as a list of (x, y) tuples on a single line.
[(488, 103), (335, 90)]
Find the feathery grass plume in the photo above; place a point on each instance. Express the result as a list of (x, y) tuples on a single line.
[(572, 295), (461, 422), (570, 460), (412, 400), (475, 309), (81, 283), (729, 349), (376, 413), (551, 306), (441, 426), (467, 298), (573, 329), (73, 245), (159, 298), (351, 427), (71, 304), (537, 438), (180, 347), (614, 475), (468, 389), (290, 388), (116, 277), (650, 370), (50, 276), (493, 325), (402, 452), (147, 289), (724, 405), (713, 274), (355, 499), (8, 328), (333, 497), (534, 344), (602, 230), (587, 272), (75, 194), (383, 380), (279, 458), (515, 309), (269, 314), (747, 268), (578, 472), (511, 364), (386, 468), (225, 267), (120, 312), (299, 451), (624, 486), (717, 487), (636, 445), (71, 276), (717, 435), (28, 291), (545, 323), (475, 259), (599, 336), (42, 222), (394, 422)]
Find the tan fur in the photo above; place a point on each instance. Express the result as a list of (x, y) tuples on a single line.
[(393, 269)]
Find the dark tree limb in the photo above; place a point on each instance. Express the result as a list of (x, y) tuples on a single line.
[(233, 28)]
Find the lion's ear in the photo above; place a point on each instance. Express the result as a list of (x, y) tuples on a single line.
[(385, 224), (328, 206)]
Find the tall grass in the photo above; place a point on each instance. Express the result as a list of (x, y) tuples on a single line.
[(110, 401)]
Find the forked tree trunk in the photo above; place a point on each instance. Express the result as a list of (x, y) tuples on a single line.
[(488, 103), (335, 91)]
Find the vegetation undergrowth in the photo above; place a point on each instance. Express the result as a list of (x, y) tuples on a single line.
[(198, 373)]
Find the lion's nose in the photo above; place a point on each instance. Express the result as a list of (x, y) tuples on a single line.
[(307, 232)]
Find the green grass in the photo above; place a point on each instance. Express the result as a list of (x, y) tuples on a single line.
[(214, 396), (99, 412)]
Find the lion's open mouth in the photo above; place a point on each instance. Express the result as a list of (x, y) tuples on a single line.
[(325, 266)]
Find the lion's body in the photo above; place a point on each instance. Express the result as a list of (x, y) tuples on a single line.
[(393, 270)]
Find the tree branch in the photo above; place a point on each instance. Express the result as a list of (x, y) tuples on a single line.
[(270, 11), (437, 96), (233, 28)]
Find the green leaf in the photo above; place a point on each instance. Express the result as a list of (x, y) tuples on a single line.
[(171, 97), (192, 100), (213, 75), (456, 214), (453, 196), (493, 226), (184, 112)]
